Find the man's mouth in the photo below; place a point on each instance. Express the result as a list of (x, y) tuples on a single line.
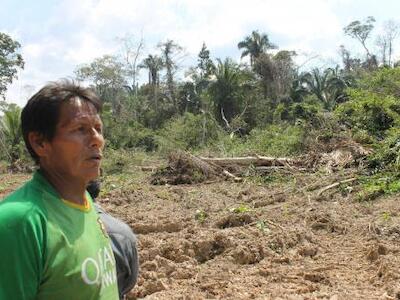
[(97, 157)]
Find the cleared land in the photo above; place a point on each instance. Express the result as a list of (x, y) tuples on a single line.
[(257, 239)]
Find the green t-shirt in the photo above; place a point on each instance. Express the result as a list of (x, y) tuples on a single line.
[(51, 250)]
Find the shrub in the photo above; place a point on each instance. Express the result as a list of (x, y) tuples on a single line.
[(369, 111), (188, 132), (272, 140), (121, 160), (129, 135)]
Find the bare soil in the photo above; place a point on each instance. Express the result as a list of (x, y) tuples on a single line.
[(256, 240)]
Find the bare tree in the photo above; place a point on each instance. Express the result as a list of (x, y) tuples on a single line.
[(131, 51), (172, 53), (382, 44), (391, 31)]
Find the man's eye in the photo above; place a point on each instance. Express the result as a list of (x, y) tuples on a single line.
[(98, 128)]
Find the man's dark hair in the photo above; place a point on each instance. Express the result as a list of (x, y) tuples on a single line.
[(41, 113)]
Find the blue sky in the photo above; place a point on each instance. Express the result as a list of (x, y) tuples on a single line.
[(58, 35)]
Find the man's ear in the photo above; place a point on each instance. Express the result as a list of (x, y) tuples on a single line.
[(38, 143)]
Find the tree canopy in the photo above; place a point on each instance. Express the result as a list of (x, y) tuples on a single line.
[(10, 61)]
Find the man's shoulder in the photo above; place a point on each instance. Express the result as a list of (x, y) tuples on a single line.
[(20, 205)]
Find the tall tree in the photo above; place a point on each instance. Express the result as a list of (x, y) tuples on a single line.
[(108, 77), (154, 64), (254, 45), (225, 91), (10, 61), (361, 30), (131, 50), (385, 41), (171, 52), (205, 63)]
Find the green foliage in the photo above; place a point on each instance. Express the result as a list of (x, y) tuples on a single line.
[(373, 106), (369, 111), (11, 140), (327, 85), (309, 111), (242, 208), (262, 226), (254, 45), (272, 140), (387, 152), (188, 132), (122, 161), (10, 61), (120, 133), (386, 216), (385, 82), (226, 91), (200, 216), (384, 183)]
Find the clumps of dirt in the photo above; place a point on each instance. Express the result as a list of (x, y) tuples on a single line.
[(234, 220), (308, 250), (178, 251), (374, 251), (168, 226), (148, 284), (325, 222), (280, 242), (207, 249), (184, 168), (247, 254), (393, 232), (316, 277)]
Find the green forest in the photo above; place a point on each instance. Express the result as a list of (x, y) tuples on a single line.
[(266, 106)]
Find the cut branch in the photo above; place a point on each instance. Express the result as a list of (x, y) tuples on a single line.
[(333, 185)]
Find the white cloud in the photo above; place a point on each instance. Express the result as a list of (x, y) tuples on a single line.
[(81, 30)]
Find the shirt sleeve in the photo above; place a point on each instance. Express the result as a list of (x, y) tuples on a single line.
[(22, 236)]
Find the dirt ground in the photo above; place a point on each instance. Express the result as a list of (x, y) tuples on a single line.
[(256, 239)]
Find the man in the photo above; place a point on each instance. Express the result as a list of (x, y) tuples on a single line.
[(123, 243), (53, 243)]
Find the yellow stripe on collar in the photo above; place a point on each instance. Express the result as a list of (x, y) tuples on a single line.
[(83, 207)]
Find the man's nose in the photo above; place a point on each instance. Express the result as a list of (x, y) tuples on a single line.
[(97, 139)]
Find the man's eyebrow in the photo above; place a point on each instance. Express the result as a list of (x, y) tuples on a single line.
[(80, 119)]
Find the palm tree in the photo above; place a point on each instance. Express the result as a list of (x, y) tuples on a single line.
[(11, 132), (224, 90), (328, 86), (254, 45), (154, 64)]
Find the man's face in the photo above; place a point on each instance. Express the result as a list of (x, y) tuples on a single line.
[(76, 149)]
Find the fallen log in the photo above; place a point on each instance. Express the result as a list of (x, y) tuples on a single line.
[(251, 160)]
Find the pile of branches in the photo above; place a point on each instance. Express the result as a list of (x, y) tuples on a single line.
[(185, 168)]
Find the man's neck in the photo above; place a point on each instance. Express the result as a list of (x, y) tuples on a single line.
[(69, 189)]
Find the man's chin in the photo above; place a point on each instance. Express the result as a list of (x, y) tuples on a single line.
[(93, 175)]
